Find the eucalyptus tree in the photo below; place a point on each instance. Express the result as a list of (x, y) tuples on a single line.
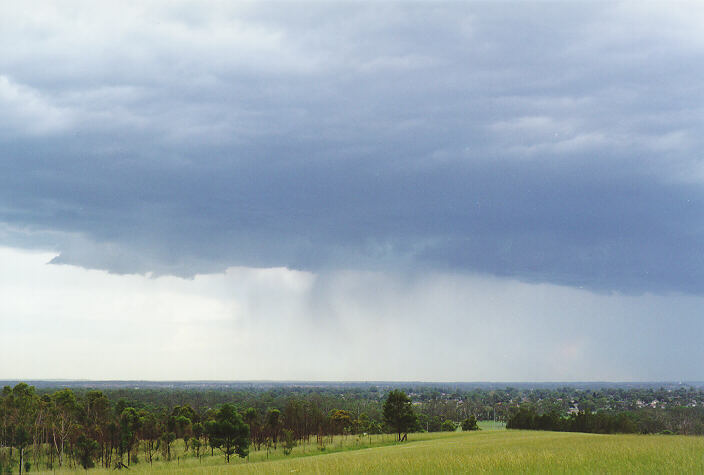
[(129, 427), (229, 433), (20, 441), (63, 420), (5, 410), (198, 431), (112, 437), (86, 450), (167, 438), (398, 413), (340, 420), (19, 409), (294, 417), (252, 419), (149, 432), (96, 416), (273, 422), (183, 429)]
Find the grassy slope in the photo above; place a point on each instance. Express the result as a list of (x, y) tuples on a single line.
[(489, 451), (188, 463), (509, 451)]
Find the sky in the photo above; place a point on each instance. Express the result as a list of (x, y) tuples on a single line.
[(426, 191)]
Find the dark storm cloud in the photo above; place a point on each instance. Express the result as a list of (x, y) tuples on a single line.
[(547, 142)]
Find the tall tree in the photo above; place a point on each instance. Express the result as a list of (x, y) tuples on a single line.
[(229, 433), (251, 418), (398, 413), (63, 419), (20, 442), (167, 438), (149, 432), (96, 417), (86, 449), (340, 420), (129, 426), (273, 421)]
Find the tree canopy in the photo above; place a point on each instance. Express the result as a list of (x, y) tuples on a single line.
[(398, 413), (229, 433), (470, 424)]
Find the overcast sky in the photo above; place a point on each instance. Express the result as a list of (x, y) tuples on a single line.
[(420, 191)]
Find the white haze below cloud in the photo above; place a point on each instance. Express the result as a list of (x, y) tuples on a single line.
[(62, 321)]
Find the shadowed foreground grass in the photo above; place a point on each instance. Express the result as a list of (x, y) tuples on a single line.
[(485, 451)]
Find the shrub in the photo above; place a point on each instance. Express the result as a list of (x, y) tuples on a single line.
[(448, 426), (470, 424)]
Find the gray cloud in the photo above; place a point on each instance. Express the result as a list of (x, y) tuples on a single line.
[(549, 142)]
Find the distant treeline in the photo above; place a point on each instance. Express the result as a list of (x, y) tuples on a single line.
[(435, 404), (676, 420), (54, 427), (60, 429), (66, 428)]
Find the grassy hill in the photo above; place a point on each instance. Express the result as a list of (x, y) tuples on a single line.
[(509, 451), (484, 451)]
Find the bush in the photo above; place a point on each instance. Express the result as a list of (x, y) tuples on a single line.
[(289, 441), (470, 424), (448, 426)]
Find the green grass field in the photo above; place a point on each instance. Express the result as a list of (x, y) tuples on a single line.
[(483, 451)]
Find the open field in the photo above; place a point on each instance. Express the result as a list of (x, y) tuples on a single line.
[(508, 451), (484, 451)]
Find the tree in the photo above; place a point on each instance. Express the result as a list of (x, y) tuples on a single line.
[(273, 421), (20, 442), (86, 449), (129, 425), (198, 430), (470, 424), (149, 432), (341, 420), (195, 446), (96, 417), (398, 413), (251, 418), (430, 423), (183, 425), (63, 420), (448, 426), (229, 433), (167, 438), (289, 441)]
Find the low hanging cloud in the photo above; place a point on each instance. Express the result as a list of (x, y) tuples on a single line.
[(553, 143), (70, 322)]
